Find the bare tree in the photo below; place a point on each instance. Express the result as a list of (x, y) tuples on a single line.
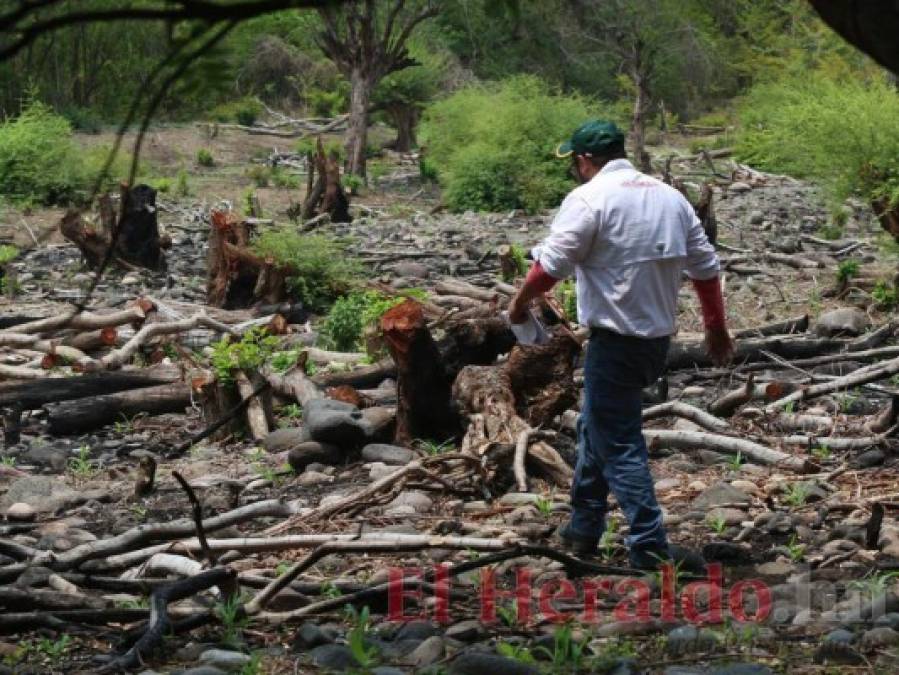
[(366, 40)]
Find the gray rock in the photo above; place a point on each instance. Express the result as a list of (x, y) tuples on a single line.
[(428, 652), (388, 454), (756, 217), (720, 494), (842, 321), (688, 640), (879, 638), (203, 670), (335, 422), (890, 619), (866, 460), (478, 663), (727, 553), (46, 455), (775, 568), (418, 501), (314, 452), (311, 635), (334, 657), (417, 630), (46, 494), (411, 269), (225, 659), (739, 187), (21, 512), (837, 648), (282, 440), (466, 631)]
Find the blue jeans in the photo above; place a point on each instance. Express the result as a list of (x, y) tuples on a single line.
[(611, 449)]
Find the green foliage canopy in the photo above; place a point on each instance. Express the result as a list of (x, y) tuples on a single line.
[(493, 145)]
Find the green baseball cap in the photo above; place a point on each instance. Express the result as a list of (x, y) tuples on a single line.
[(592, 138)]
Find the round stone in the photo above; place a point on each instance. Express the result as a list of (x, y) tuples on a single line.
[(21, 512)]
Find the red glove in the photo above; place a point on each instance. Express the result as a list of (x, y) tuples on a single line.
[(539, 280), (712, 303)]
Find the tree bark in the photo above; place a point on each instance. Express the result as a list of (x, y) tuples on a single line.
[(361, 86), (85, 414), (404, 118)]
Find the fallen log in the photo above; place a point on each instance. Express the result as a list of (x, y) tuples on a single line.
[(85, 414), (798, 325), (691, 440), (34, 394), (692, 354), (88, 320)]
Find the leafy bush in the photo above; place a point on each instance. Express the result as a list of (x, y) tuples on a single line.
[(260, 175), (847, 270), (844, 132), (83, 119), (244, 111), (38, 159), (205, 158), (493, 145), (349, 317), (566, 294), (253, 349), (328, 103), (352, 183), (283, 179), (884, 295), (182, 186), (8, 253), (322, 271)]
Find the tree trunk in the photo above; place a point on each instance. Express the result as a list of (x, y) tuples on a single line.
[(357, 132), (641, 158), (404, 118)]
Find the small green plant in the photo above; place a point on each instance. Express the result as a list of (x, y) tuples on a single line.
[(205, 158), (874, 584), (431, 447), (231, 615), (821, 451), (795, 550), (353, 183), (253, 666), (847, 270), (162, 185), (8, 461), (735, 462), (884, 295), (352, 314), (568, 654), (8, 253), (283, 179), (790, 407), (139, 603), (289, 414), (544, 506), (260, 175), (138, 511), (607, 540), (566, 294), (508, 614), (253, 349), (330, 590), (52, 650), (718, 523), (831, 231), (847, 400), (519, 653), (796, 493), (182, 185), (364, 653), (82, 466), (124, 425)]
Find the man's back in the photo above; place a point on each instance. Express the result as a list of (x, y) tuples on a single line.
[(629, 237)]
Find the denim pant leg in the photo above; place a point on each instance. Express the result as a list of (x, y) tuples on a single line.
[(612, 452)]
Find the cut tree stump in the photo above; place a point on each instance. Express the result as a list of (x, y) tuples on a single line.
[(236, 277), (130, 238), (424, 407)]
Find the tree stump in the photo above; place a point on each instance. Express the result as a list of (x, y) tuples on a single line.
[(324, 193), (424, 407), (131, 238), (236, 277)]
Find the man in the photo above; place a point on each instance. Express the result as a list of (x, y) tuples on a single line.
[(628, 238)]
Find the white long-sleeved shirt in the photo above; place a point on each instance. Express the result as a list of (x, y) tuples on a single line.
[(628, 238)]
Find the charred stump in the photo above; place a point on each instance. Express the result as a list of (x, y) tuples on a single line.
[(130, 238), (324, 193)]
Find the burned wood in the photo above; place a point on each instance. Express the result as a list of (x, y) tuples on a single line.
[(85, 414), (324, 193), (197, 510)]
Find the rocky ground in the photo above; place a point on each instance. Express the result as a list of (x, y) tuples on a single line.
[(805, 536)]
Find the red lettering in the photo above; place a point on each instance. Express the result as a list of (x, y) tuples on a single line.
[(521, 594), (556, 589), (638, 603), (592, 587), (689, 598), (762, 600), (397, 593)]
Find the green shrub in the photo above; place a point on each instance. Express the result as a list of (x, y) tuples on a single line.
[(253, 349), (348, 318), (244, 111), (847, 270), (352, 183), (39, 161), (567, 296), (884, 295), (83, 119), (844, 132), (162, 185), (205, 158), (283, 179), (182, 185), (8, 253), (322, 270), (330, 102), (260, 174), (493, 145)]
